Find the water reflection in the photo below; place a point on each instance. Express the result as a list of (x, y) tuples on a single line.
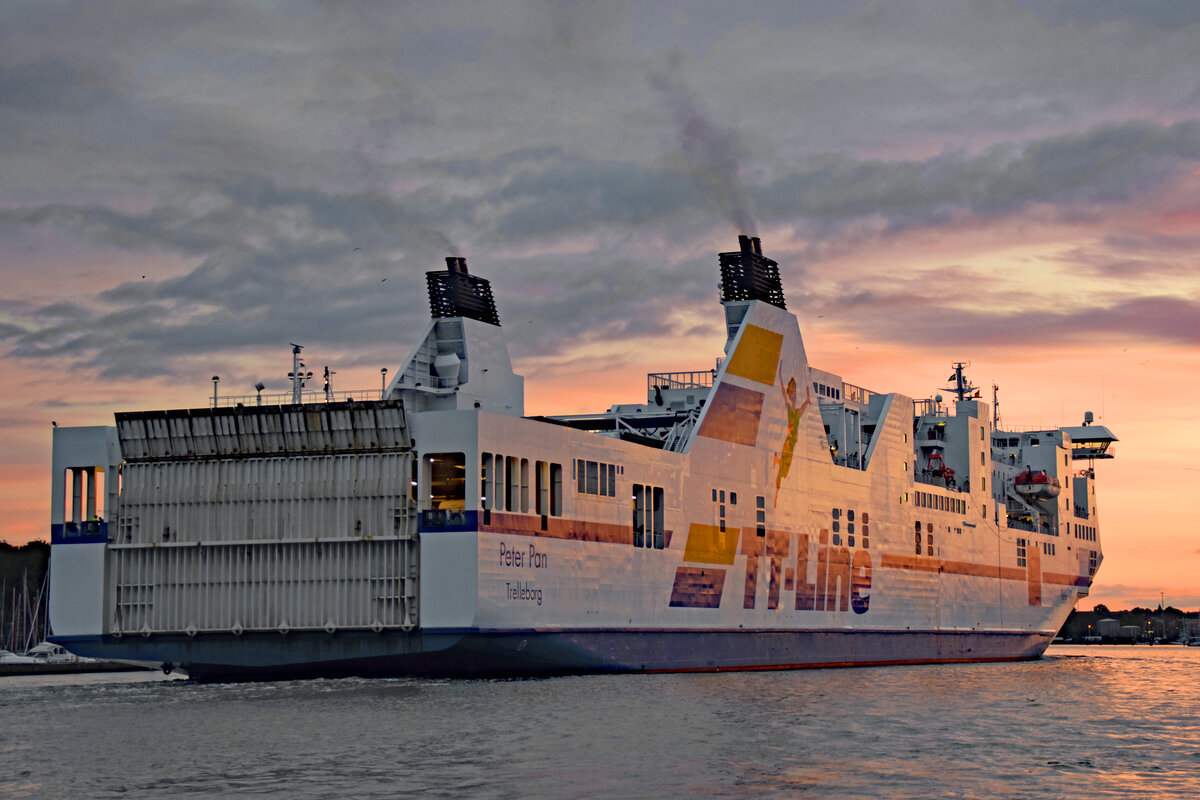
[(1082, 723)]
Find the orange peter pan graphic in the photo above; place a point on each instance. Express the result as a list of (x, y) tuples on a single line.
[(783, 460)]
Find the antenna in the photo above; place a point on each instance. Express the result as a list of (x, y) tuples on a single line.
[(329, 384), (961, 386), (297, 375), (995, 407)]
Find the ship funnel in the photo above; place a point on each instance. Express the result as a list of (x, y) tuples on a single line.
[(456, 293), (747, 275)]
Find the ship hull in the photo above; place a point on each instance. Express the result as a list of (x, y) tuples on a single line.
[(530, 652)]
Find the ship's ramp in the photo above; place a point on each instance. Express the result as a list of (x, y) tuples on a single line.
[(273, 518)]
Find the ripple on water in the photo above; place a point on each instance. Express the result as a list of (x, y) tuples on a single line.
[(1088, 723)]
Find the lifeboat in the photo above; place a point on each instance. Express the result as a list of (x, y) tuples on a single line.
[(936, 466), (1036, 484)]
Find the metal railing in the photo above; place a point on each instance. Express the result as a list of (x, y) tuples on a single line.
[(286, 398), (700, 379)]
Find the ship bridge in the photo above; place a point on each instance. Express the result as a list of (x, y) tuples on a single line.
[(1091, 441)]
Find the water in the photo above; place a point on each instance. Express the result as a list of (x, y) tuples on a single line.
[(1084, 722)]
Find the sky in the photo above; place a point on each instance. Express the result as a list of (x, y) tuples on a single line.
[(186, 188)]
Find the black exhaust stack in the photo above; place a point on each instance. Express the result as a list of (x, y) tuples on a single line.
[(747, 275), (454, 292)]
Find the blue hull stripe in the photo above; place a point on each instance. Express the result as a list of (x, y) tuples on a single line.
[(89, 532)]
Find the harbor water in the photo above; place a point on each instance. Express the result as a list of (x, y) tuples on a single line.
[(1083, 722)]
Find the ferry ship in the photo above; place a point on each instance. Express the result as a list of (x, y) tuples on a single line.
[(759, 514)]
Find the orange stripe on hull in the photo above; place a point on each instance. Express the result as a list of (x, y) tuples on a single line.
[(923, 564)]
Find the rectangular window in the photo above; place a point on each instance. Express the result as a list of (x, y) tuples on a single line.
[(524, 485), (639, 516), (512, 475), (447, 481), (659, 519), (649, 520), (556, 481), (760, 515), (1021, 545), (498, 483), (485, 480), (541, 488), (596, 477)]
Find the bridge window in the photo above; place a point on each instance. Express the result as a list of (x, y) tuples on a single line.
[(447, 480)]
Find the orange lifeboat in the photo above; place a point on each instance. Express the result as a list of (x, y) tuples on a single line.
[(1036, 484), (936, 466)]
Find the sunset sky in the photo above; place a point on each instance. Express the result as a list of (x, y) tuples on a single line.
[(185, 188)]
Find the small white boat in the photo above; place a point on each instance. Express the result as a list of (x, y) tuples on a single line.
[(9, 657)]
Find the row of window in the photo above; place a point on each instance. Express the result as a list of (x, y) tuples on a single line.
[(940, 502), (505, 482), (831, 392), (836, 524), (1048, 548), (1087, 532), (596, 477)]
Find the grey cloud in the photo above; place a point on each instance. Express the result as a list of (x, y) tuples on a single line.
[(1120, 263), (279, 263), (63, 310), (10, 331), (1083, 13), (930, 321), (1110, 164), (50, 84), (576, 194), (494, 166)]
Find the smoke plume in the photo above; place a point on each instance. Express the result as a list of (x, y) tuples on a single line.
[(713, 153)]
